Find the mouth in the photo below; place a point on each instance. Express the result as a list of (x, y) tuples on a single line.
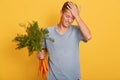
[(67, 23)]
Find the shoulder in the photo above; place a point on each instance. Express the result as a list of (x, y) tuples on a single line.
[(75, 27), (50, 28)]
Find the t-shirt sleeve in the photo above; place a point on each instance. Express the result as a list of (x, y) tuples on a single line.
[(80, 36)]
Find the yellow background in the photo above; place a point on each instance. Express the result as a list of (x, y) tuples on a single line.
[(100, 57)]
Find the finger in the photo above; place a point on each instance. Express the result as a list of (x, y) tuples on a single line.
[(68, 7), (41, 57), (71, 4)]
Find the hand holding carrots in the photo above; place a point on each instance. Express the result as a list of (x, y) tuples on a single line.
[(41, 55), (43, 64)]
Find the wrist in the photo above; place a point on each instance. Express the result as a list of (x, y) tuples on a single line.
[(77, 17)]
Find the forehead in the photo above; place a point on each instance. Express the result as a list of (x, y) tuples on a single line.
[(67, 12)]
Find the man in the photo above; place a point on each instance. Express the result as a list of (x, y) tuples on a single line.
[(64, 51)]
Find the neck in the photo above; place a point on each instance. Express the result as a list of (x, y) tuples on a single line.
[(61, 29)]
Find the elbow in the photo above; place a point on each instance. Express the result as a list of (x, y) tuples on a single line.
[(88, 38)]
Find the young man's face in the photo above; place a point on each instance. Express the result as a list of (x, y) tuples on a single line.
[(67, 18)]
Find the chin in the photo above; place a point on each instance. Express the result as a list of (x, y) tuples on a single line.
[(67, 25)]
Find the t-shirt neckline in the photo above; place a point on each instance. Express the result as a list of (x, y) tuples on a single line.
[(59, 33)]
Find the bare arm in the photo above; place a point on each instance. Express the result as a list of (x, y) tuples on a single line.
[(83, 27)]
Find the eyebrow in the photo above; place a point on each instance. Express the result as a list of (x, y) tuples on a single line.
[(70, 16)]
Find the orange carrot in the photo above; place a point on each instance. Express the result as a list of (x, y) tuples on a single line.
[(43, 68), (46, 63)]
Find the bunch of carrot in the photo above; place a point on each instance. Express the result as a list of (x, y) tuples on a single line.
[(33, 40), (43, 68)]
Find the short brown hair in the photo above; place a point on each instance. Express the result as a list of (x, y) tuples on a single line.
[(65, 6)]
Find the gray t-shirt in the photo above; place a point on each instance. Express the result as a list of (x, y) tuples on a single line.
[(64, 54)]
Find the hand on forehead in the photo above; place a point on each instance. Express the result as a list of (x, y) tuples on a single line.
[(71, 4)]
